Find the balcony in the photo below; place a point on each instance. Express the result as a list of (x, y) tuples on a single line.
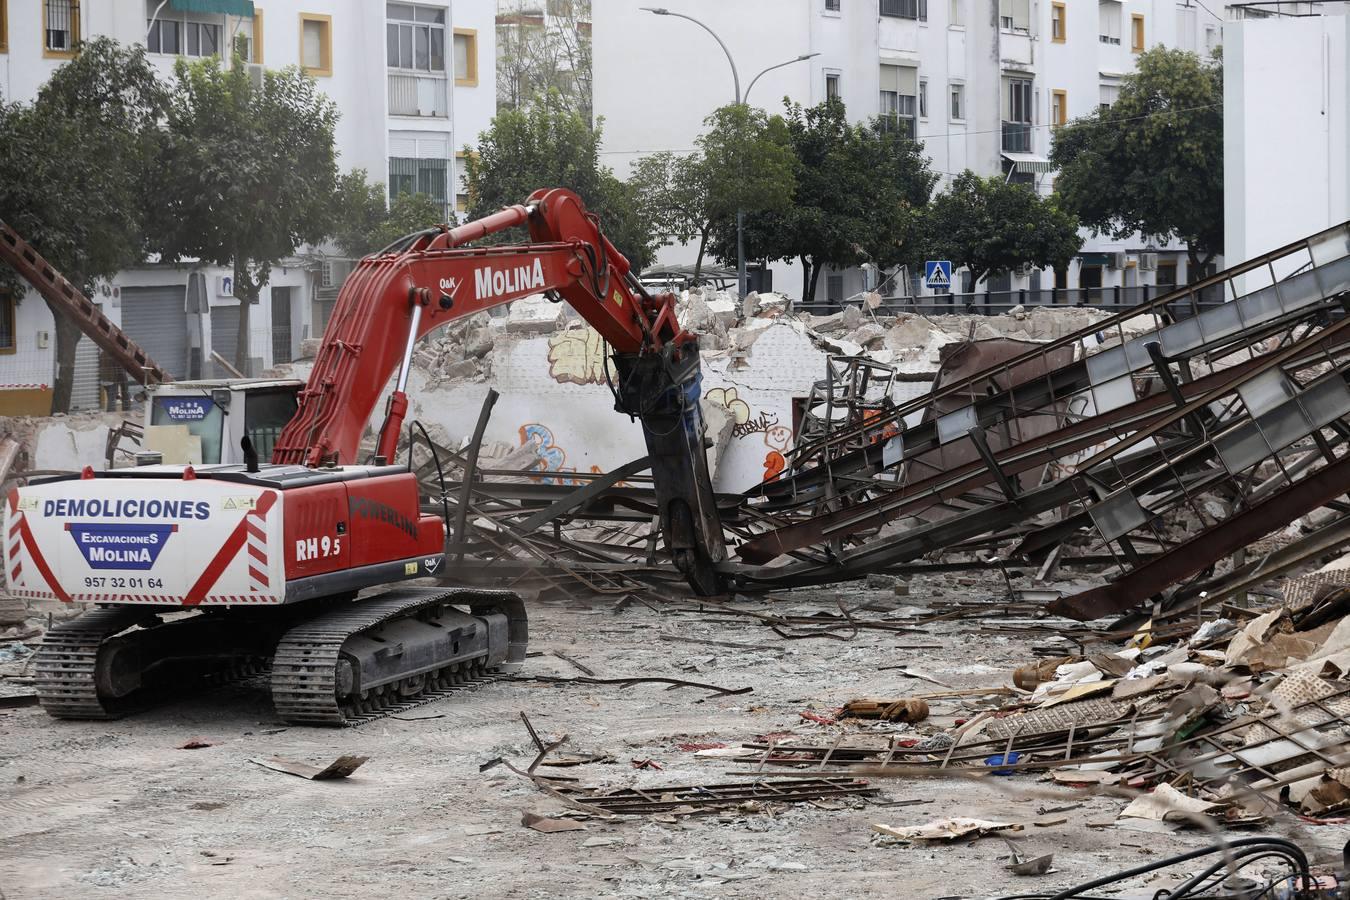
[(418, 94), (1016, 137)]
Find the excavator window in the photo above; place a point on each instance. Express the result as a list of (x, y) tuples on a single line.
[(200, 418), (265, 414)]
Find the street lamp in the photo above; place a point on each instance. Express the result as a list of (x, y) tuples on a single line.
[(740, 99)]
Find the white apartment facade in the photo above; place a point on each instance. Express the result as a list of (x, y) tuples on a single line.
[(1285, 66), (407, 81), (980, 83)]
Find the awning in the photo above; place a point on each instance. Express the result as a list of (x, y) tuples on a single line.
[(225, 7), (1028, 162)]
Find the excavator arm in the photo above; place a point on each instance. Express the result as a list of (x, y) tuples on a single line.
[(432, 279)]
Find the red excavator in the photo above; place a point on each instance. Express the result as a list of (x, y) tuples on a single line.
[(212, 572)]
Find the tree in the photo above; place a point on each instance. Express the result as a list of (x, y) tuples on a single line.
[(365, 222), (536, 56), (250, 173), (744, 161), (860, 192), (1151, 162), (990, 226), (545, 147), (75, 173)]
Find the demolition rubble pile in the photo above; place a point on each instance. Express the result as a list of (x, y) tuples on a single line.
[(906, 339), (1243, 720)]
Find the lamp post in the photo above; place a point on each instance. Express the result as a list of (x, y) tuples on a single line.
[(740, 99)]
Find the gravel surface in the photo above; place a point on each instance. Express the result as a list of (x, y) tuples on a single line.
[(114, 809)]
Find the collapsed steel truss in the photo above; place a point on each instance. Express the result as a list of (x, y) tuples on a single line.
[(1161, 439)]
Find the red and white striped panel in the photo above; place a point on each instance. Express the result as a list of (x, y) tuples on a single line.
[(16, 551), (170, 600), (256, 542)]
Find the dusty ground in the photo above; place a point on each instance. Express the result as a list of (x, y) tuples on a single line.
[(94, 809)]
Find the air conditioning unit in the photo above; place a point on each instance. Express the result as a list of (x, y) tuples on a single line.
[(255, 75), (1116, 260), (1025, 270), (1148, 262)]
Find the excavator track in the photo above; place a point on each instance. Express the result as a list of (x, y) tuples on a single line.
[(66, 663), (75, 675), (305, 667)]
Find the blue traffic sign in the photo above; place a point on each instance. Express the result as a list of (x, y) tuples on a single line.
[(937, 274)]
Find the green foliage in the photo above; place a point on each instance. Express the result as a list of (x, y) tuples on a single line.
[(534, 60), (364, 222), (743, 161), (991, 226), (860, 192), (547, 146), (250, 174), (1153, 161), (76, 168)]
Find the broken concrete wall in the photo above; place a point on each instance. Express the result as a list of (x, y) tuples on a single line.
[(65, 443), (758, 361)]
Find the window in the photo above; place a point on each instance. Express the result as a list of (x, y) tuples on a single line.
[(461, 203), (316, 44), (1018, 107), (831, 85), (1108, 15), (419, 176), (8, 339), (957, 13), (164, 37), (1059, 19), (1137, 33), (203, 39), (923, 98), (466, 57), (415, 37), (1059, 107), (1110, 92), (958, 92), (1014, 15), (899, 90), (62, 27), (832, 5), (4, 27), (1017, 116), (905, 9), (1185, 29)]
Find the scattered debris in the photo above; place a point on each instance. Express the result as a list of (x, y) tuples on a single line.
[(1028, 865), (945, 829), (339, 768), (550, 826), (903, 710), (195, 744)]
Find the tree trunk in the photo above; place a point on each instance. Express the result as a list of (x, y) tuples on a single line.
[(1196, 263), (806, 279), (702, 243), (246, 291), (815, 277), (67, 337)]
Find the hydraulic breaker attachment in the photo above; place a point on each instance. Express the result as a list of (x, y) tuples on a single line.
[(662, 391)]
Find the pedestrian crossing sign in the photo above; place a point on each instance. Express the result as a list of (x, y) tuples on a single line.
[(937, 274)]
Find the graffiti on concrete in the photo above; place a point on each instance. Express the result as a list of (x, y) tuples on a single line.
[(577, 356)]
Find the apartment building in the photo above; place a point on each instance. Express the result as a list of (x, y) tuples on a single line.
[(1294, 59), (981, 83), (407, 80)]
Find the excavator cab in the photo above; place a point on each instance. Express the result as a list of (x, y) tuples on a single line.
[(205, 422)]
